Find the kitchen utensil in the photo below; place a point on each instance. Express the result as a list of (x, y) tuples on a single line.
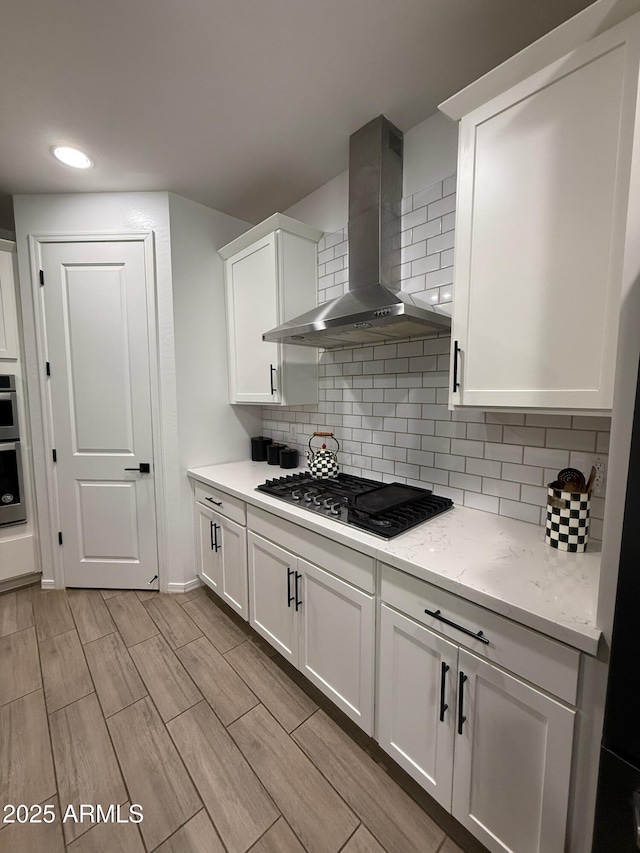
[(591, 480), (288, 457), (273, 453), (574, 477), (323, 463), (259, 446)]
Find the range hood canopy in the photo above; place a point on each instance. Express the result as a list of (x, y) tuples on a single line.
[(374, 309)]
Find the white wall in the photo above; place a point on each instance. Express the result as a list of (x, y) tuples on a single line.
[(430, 155), (196, 266), (210, 430)]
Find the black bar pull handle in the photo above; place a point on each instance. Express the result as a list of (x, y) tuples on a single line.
[(272, 370), (143, 468), (479, 635), (290, 598), (298, 601), (211, 500), (217, 545), (461, 717), (213, 544), (443, 677), (456, 353)]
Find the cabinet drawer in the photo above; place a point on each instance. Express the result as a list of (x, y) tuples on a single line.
[(536, 658), (350, 565), (221, 502)]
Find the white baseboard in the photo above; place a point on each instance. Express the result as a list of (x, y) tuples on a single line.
[(184, 587), (47, 584)]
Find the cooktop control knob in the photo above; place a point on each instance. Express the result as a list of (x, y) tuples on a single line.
[(296, 495), (328, 503), (335, 509), (308, 496)]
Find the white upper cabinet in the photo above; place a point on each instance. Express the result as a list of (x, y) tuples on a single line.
[(270, 277), (543, 178), (8, 316)]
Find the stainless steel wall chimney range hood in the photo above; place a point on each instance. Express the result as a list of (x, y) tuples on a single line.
[(374, 309)]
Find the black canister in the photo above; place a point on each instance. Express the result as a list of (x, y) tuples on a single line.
[(259, 446), (288, 457), (273, 453)]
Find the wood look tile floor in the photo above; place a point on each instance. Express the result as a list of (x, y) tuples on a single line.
[(114, 698)]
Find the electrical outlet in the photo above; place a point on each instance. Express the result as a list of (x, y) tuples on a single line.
[(601, 476)]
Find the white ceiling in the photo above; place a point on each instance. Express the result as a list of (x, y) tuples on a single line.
[(243, 105)]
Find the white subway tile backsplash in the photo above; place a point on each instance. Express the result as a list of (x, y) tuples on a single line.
[(522, 473), (503, 452), (451, 429), (449, 185), (388, 403), (440, 243), (572, 439), (448, 462), (523, 512), (440, 208), (484, 432), (483, 502), (463, 447), (533, 436), (544, 457), (429, 229), (484, 467), (558, 421), (501, 488), (468, 482)]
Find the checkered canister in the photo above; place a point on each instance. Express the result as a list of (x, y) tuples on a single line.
[(567, 527)]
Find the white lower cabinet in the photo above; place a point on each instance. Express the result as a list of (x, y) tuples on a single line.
[(222, 546), (322, 624), (512, 760), (490, 748)]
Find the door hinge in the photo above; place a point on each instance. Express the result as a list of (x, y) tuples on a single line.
[(41, 277), (48, 368), (54, 453), (60, 537)]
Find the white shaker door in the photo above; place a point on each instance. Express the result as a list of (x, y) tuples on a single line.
[(95, 302)]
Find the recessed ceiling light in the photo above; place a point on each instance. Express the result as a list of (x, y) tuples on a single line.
[(72, 157)]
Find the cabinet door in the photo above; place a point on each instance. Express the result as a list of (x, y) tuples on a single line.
[(232, 542), (8, 317), (252, 308), (209, 557), (512, 761), (416, 702), (336, 625), (271, 595), (543, 179)]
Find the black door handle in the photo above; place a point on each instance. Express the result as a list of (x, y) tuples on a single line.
[(456, 353), (461, 717), (443, 677), (298, 602), (272, 370), (213, 544), (143, 468), (216, 546), (289, 596)]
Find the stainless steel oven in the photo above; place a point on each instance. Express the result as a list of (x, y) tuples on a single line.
[(12, 507), (9, 429)]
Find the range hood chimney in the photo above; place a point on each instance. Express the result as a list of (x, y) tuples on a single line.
[(374, 309)]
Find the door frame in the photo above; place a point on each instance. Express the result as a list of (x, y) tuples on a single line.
[(48, 521)]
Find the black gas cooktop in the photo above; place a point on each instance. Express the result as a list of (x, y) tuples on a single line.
[(384, 509)]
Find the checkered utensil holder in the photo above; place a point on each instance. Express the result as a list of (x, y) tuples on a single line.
[(567, 526)]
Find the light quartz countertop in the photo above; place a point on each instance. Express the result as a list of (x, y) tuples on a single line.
[(499, 563)]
